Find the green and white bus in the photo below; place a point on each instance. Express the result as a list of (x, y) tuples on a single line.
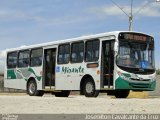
[(113, 62)]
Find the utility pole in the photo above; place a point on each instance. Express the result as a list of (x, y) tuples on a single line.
[(130, 16)]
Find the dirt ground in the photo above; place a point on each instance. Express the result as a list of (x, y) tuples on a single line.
[(76, 104), (136, 103)]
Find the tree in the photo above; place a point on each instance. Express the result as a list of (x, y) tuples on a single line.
[(158, 71)]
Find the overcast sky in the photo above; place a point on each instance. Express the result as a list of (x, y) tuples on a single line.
[(27, 22)]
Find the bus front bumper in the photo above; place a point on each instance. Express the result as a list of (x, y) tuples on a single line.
[(130, 85)]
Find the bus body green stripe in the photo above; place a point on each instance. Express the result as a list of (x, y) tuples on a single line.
[(21, 74), (11, 74), (32, 71)]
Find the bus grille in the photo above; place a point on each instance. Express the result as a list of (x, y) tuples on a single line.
[(139, 79), (139, 85)]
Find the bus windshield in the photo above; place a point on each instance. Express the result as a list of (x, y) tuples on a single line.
[(136, 55)]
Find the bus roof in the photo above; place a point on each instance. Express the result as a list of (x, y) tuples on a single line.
[(113, 33)]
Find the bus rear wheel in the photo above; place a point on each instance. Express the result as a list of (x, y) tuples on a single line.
[(62, 93), (32, 89), (121, 93), (89, 89)]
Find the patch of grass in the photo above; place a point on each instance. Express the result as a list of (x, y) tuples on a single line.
[(138, 95)]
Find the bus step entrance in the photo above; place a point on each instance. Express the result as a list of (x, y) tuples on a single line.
[(108, 80), (49, 88)]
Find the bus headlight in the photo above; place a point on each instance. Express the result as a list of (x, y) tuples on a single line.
[(154, 77), (121, 75)]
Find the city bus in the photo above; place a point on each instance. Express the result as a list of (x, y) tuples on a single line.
[(113, 62)]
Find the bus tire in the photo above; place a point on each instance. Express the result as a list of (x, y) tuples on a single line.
[(89, 88), (64, 93), (121, 93), (32, 89)]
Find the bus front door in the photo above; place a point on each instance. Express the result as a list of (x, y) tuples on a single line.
[(49, 65), (107, 63)]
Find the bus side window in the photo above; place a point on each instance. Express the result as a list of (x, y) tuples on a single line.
[(92, 51), (12, 60), (36, 57), (88, 56), (77, 52), (23, 58), (63, 54)]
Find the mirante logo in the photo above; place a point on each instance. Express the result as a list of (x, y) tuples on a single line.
[(72, 70)]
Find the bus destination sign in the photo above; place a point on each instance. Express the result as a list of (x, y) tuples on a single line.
[(135, 37)]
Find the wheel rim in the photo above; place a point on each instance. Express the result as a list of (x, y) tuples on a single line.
[(32, 88), (89, 87)]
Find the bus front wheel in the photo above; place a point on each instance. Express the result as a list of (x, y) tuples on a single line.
[(121, 93), (89, 89), (32, 89)]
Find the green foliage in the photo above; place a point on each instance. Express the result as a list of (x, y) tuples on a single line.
[(158, 71)]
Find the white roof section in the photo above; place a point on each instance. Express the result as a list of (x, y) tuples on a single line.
[(113, 33)]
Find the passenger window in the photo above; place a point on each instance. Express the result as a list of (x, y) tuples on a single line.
[(92, 51), (77, 52), (12, 60), (23, 58), (63, 54), (36, 57)]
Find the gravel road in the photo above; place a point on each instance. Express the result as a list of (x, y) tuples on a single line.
[(76, 104)]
